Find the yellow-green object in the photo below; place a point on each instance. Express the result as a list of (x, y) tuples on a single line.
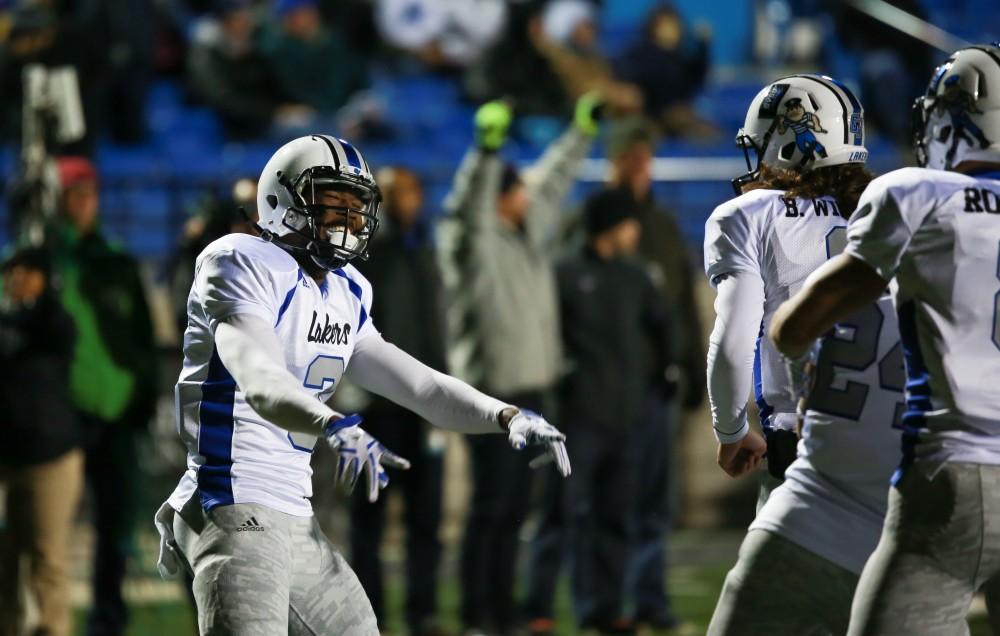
[(588, 113), (99, 386), (492, 122)]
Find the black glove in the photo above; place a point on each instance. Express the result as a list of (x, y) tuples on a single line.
[(782, 449)]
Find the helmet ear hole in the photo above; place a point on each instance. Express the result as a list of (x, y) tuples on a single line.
[(944, 134), (294, 220), (787, 151), (812, 100), (272, 201)]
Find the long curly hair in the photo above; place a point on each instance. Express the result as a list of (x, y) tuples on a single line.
[(844, 183)]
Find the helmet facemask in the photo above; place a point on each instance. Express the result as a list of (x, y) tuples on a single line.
[(746, 143), (918, 122), (336, 213)]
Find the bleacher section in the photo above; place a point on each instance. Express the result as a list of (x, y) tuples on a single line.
[(149, 189)]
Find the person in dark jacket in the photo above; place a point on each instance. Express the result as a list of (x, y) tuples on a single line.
[(227, 71), (112, 377), (667, 260), (411, 316), (669, 64), (315, 64), (40, 458), (614, 323)]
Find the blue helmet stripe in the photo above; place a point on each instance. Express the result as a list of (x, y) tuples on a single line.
[(353, 158), (855, 104)]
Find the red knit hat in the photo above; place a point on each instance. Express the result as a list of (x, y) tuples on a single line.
[(75, 170)]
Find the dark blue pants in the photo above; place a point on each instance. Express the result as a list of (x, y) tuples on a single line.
[(599, 509), (110, 471), (653, 442), (421, 486), (645, 583), (501, 497), (549, 548)]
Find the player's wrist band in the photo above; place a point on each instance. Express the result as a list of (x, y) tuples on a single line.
[(340, 424)]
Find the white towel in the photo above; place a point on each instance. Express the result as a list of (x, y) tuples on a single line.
[(169, 561)]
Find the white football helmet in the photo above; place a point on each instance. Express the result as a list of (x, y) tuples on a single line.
[(290, 201), (802, 122), (958, 118)]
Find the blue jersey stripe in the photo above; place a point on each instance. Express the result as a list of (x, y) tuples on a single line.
[(766, 410), (356, 290), (918, 385), (215, 436), (288, 300)]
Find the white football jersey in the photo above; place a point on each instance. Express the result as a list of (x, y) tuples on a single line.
[(833, 500), (782, 241), (938, 233), (235, 456)]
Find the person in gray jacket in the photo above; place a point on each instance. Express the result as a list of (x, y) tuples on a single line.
[(496, 248)]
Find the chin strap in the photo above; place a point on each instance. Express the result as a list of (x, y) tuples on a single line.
[(267, 235), (310, 251)]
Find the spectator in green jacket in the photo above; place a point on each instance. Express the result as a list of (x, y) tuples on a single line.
[(112, 375)]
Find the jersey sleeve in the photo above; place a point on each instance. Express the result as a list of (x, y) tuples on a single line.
[(231, 283), (730, 243), (890, 211)]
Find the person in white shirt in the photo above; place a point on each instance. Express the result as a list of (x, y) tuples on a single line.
[(274, 323), (822, 504), (933, 231)]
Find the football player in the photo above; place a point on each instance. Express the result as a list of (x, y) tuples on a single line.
[(274, 322), (801, 559), (935, 231)]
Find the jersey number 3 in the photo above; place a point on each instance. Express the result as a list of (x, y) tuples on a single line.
[(322, 370)]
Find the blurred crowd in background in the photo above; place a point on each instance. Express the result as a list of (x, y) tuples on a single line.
[(482, 212)]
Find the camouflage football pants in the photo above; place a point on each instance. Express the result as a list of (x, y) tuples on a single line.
[(940, 544), (260, 571), (777, 587)]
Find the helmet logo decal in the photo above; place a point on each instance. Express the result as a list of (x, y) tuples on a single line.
[(960, 104), (803, 124), (857, 125)]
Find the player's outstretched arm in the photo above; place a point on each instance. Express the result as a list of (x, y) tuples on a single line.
[(841, 286), (387, 370)]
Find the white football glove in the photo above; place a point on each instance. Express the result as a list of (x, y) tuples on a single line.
[(528, 427), (358, 451)]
